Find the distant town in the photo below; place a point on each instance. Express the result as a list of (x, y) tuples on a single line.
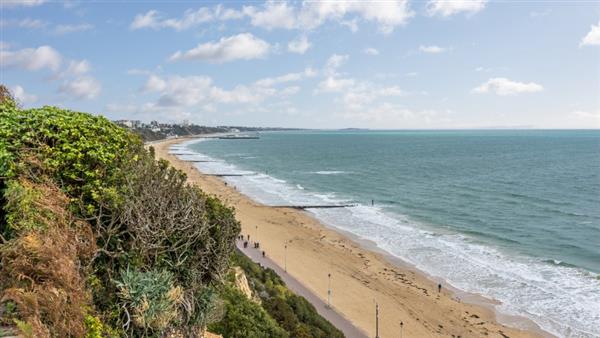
[(157, 131)]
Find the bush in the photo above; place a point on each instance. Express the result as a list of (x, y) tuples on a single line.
[(151, 297), (293, 313), (244, 318), (131, 211), (42, 267)]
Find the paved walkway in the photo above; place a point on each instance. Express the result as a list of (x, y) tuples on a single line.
[(343, 324)]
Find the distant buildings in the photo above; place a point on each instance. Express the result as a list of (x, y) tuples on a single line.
[(156, 130), (134, 124)]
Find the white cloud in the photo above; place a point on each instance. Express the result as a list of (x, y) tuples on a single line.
[(21, 96), (289, 90), (333, 84), (272, 15), (334, 62), (179, 90), (284, 15), (243, 46), (32, 59), (364, 93), (184, 92), (351, 24), (28, 23), (227, 13), (157, 84), (75, 82), (78, 67), (503, 86), (387, 14), (21, 3), (66, 29), (300, 45), (148, 20), (32, 23), (371, 51), (354, 94), (432, 49), (191, 18), (592, 38), (82, 88), (290, 77), (451, 7)]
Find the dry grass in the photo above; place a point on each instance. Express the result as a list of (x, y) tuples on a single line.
[(42, 269)]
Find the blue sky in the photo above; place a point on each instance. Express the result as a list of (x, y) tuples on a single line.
[(328, 64)]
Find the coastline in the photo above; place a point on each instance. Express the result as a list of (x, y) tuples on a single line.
[(362, 274)]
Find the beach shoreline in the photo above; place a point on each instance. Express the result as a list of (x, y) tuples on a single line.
[(362, 273)]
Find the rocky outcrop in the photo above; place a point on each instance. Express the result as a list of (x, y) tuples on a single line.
[(241, 282)]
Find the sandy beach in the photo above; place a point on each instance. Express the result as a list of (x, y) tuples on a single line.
[(360, 277)]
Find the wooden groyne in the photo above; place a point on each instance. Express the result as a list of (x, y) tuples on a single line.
[(238, 137), (316, 206), (227, 175)]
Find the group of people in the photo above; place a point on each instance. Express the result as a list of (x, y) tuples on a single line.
[(256, 244)]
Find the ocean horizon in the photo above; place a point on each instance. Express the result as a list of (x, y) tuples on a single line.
[(508, 214)]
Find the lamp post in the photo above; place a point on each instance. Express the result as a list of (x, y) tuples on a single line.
[(285, 256), (376, 320), (329, 290)]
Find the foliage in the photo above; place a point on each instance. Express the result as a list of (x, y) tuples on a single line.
[(84, 153), (244, 318), (6, 97), (151, 297), (41, 268), (93, 327), (293, 313), (24, 328), (163, 230), (81, 202)]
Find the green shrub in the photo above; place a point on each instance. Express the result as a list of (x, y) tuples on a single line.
[(144, 216), (151, 298), (244, 318), (94, 327), (292, 312), (84, 152)]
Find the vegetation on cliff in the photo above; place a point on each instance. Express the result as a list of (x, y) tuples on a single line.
[(292, 313), (98, 238)]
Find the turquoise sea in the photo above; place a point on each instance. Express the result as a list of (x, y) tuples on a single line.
[(510, 214)]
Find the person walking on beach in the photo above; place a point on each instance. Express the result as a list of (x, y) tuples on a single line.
[(439, 288)]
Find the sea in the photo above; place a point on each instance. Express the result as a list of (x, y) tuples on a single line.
[(513, 215)]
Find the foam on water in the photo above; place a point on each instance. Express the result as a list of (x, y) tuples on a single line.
[(329, 172), (563, 300)]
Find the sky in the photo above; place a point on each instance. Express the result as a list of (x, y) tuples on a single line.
[(390, 64)]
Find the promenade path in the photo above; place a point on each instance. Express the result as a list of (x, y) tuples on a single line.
[(335, 318)]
